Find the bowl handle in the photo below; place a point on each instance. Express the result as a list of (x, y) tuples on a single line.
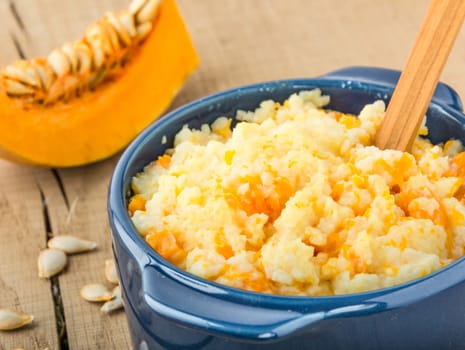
[(443, 94), (215, 309)]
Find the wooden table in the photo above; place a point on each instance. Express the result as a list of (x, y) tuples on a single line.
[(239, 42)]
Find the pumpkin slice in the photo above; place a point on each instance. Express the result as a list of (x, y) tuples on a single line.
[(90, 98)]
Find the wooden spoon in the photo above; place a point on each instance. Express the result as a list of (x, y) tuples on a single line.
[(419, 78)]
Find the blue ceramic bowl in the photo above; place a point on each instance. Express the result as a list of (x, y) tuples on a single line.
[(168, 308)]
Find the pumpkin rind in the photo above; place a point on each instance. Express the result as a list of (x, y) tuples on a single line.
[(98, 123)]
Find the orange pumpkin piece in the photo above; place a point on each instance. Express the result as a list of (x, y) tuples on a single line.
[(222, 245), (256, 201), (164, 161), (166, 244), (88, 99), (137, 202), (457, 166), (406, 200)]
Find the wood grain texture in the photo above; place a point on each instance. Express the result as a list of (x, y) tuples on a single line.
[(239, 42), (420, 76), (23, 234)]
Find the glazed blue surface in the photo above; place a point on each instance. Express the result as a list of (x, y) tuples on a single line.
[(168, 308)]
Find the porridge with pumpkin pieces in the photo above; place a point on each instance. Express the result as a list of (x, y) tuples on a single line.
[(296, 200)]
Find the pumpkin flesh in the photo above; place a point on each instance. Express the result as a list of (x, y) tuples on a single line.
[(101, 122)]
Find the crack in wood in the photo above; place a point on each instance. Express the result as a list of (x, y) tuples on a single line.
[(55, 284), (45, 213), (6, 289), (16, 16), (59, 314), (61, 186), (18, 47)]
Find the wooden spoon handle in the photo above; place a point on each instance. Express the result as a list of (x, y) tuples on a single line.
[(419, 78)]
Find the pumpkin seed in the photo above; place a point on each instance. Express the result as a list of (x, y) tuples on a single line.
[(44, 73), (51, 262), (55, 92), (110, 271), (112, 36), (135, 6), (148, 11), (11, 319), (70, 53), (16, 88), (59, 62), (84, 57), (99, 45), (128, 22), (71, 244), (71, 85), (115, 303), (96, 292), (21, 71), (123, 35), (144, 29)]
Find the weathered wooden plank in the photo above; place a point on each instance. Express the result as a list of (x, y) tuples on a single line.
[(8, 36), (23, 228), (23, 235), (247, 41), (86, 189)]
